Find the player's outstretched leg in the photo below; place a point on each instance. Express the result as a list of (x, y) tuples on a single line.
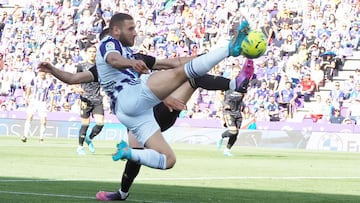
[(235, 43), (123, 151)]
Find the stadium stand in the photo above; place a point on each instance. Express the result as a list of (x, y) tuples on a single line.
[(58, 31)]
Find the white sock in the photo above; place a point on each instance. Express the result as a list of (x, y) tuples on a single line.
[(123, 194), (149, 157), (26, 128), (201, 65)]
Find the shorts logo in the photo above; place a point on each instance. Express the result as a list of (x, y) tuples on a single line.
[(110, 46)]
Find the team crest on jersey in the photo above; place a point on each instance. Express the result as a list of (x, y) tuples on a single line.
[(110, 46)]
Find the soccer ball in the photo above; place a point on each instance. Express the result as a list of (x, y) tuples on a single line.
[(254, 44)]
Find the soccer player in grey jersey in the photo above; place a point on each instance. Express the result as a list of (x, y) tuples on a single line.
[(91, 103)]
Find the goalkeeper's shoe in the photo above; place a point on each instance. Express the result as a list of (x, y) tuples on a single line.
[(123, 151), (110, 196), (236, 41), (80, 151), (227, 152), (90, 144)]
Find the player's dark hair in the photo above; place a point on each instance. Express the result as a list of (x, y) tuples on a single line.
[(104, 33), (118, 18)]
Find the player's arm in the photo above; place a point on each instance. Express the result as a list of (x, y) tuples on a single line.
[(69, 78), (111, 51), (161, 64)]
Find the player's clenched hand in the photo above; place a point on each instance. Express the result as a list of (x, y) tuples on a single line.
[(139, 66), (174, 104), (45, 67)]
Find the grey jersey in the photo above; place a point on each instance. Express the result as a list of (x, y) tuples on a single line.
[(233, 102), (91, 89)]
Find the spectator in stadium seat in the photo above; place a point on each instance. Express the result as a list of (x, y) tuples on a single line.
[(273, 109), (294, 72), (337, 94), (337, 118), (268, 31), (288, 48), (318, 76), (328, 66), (259, 101), (355, 35), (328, 109), (263, 91), (307, 87), (271, 69), (248, 118), (357, 75), (287, 98), (354, 110), (349, 86), (273, 84), (262, 114), (259, 75), (318, 109)]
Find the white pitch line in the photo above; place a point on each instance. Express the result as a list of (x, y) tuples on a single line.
[(68, 196), (46, 194), (257, 178), (202, 178)]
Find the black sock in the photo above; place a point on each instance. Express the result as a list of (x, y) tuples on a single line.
[(211, 82), (131, 171), (82, 134), (95, 131), (232, 140)]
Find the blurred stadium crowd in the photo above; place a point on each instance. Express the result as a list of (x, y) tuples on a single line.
[(308, 43)]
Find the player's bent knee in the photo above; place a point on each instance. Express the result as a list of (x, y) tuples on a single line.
[(170, 161), (233, 132)]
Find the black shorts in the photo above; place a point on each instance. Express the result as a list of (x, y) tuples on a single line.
[(164, 117), (87, 108), (233, 120)]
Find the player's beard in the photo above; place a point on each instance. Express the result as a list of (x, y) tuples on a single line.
[(125, 41)]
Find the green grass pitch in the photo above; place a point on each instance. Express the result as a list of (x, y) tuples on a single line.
[(52, 172)]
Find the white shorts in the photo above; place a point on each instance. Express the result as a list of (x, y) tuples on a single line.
[(134, 108), (39, 107)]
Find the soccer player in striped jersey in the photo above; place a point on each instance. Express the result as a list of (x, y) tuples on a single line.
[(165, 113), (39, 97), (234, 50)]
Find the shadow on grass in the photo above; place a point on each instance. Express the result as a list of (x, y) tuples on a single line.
[(31, 191)]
